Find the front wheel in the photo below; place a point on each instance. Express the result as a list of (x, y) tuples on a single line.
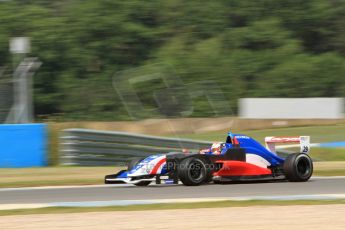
[(298, 167), (194, 171)]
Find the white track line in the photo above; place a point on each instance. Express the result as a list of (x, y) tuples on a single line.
[(167, 201), (327, 177)]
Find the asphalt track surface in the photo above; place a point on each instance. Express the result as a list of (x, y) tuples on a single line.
[(316, 186)]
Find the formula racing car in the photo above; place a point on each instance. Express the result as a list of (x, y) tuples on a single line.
[(238, 158)]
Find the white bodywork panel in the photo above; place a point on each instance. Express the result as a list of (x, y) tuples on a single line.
[(151, 165), (257, 160), (303, 141)]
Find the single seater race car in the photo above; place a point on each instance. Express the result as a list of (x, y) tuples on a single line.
[(239, 158)]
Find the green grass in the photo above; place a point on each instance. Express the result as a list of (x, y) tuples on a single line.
[(336, 172), (215, 204), (52, 176), (329, 168), (328, 154)]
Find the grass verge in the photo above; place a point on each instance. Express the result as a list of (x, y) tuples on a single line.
[(329, 168), (215, 204), (52, 176)]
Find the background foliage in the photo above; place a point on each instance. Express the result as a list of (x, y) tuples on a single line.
[(267, 48)]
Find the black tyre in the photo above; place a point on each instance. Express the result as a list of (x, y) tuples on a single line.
[(298, 167), (194, 171), (131, 165), (143, 183)]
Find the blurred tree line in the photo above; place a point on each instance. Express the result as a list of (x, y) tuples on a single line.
[(266, 48)]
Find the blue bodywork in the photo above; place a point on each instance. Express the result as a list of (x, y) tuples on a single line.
[(253, 147)]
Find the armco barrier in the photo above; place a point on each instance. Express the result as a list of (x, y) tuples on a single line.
[(96, 148), (23, 145)]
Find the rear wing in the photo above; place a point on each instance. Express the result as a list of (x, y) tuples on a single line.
[(303, 141)]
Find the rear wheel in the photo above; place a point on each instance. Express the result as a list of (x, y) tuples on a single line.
[(194, 171), (298, 167), (131, 165)]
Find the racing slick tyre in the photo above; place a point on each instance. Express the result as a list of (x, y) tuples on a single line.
[(131, 165), (298, 167), (194, 171)]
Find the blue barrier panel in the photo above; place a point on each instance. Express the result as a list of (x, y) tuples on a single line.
[(23, 145)]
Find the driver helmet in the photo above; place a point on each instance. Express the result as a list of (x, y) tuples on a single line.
[(216, 148)]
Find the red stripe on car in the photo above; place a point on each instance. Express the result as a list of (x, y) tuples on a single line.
[(157, 166)]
